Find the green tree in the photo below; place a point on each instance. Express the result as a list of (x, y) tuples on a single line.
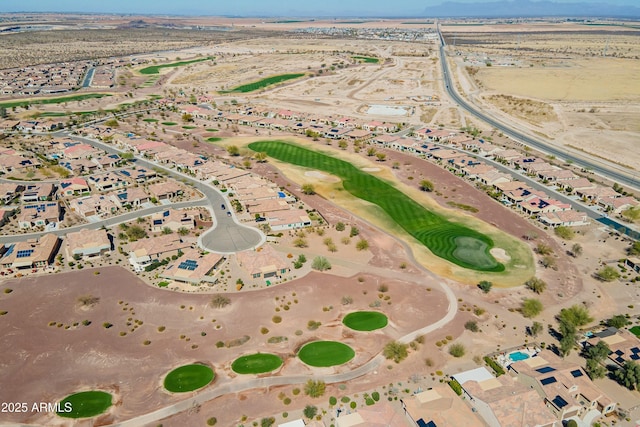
[(576, 250), (457, 350), (220, 301), (371, 152), (353, 232), (485, 286), (183, 231), (308, 189), (426, 185), (340, 226), (572, 423), (320, 263), (608, 274), (576, 315), (598, 352), (472, 326), (565, 232), (260, 157), (595, 369), (310, 411), (233, 150), (187, 118), (531, 307), (135, 232), (314, 388), (634, 249), (536, 285), (543, 249), (395, 351), (362, 245), (167, 230), (535, 329), (381, 157), (267, 422), (628, 375), (618, 321), (112, 123)]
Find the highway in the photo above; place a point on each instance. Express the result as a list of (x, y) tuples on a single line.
[(627, 179)]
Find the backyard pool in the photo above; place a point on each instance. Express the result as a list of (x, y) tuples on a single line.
[(518, 355)]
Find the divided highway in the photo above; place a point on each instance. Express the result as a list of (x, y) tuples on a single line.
[(601, 169)]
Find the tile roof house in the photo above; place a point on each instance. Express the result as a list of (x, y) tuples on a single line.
[(95, 204), (441, 407), (624, 346), (288, 219), (38, 192), (568, 218), (173, 220), (74, 186), (87, 243), (165, 190), (31, 253), (142, 252), (382, 414), (263, 263), (39, 215), (194, 267)]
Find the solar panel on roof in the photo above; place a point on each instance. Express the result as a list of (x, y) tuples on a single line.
[(635, 357), (24, 253), (545, 369), (548, 380), (577, 373), (635, 350), (619, 352), (165, 213), (559, 402), (619, 360)]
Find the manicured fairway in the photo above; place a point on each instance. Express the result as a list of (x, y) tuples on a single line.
[(59, 100), (635, 331), (256, 363), (188, 378), (85, 404), (453, 242), (155, 69), (250, 87), (325, 353), (367, 59), (365, 320)]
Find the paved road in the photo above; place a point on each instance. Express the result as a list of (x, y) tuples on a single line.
[(227, 234), (625, 178)]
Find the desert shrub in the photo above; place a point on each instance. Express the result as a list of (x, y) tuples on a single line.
[(457, 350)]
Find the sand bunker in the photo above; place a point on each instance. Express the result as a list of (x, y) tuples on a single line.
[(500, 255), (321, 176), (371, 169)]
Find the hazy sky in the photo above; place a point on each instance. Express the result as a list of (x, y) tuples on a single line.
[(247, 7)]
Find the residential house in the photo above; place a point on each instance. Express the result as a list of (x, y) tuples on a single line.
[(132, 197), (505, 401), (74, 187), (139, 174), (576, 184), (624, 345), (288, 219), (39, 215), (359, 134), (94, 205), (173, 220), (108, 181), (618, 204), (80, 151), (509, 156), (194, 267), (597, 193), (9, 191), (382, 414), (87, 243), (17, 163), (493, 178), (441, 407), (38, 192), (144, 251), (31, 253), (165, 190), (567, 218), (263, 263), (565, 387), (336, 133), (262, 207), (633, 263), (557, 175), (539, 205)]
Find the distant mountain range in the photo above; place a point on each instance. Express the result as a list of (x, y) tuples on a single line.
[(527, 8)]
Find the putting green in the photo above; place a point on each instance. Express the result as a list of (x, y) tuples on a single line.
[(325, 353), (188, 378), (256, 363), (85, 404), (451, 241), (365, 320), (635, 331)]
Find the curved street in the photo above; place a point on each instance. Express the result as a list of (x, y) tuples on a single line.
[(227, 235)]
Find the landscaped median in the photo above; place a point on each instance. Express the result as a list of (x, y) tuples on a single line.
[(188, 378), (446, 239), (322, 354), (258, 363), (85, 404)]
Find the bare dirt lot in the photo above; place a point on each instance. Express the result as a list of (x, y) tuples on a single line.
[(45, 362)]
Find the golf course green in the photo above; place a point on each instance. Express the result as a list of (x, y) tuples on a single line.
[(58, 100), (250, 87), (451, 241), (366, 59), (188, 378), (85, 404), (322, 354), (258, 363), (155, 69), (365, 320)]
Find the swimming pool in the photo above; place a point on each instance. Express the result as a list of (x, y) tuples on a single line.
[(518, 355)]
